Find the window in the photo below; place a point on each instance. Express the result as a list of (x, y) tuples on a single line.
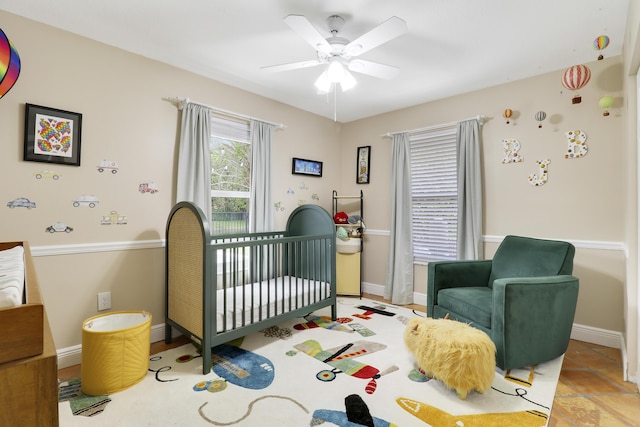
[(434, 194), (230, 150)]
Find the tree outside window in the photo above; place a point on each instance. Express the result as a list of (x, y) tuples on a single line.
[(230, 185)]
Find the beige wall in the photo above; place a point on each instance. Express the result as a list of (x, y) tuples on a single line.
[(583, 201), (127, 120)]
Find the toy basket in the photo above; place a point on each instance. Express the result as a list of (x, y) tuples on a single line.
[(115, 351)]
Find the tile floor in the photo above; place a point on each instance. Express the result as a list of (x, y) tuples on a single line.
[(591, 391)]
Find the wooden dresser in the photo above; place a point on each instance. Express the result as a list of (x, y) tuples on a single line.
[(28, 358)]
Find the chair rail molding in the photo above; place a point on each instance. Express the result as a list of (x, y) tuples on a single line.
[(84, 248), (581, 244)]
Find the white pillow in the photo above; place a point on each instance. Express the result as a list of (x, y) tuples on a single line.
[(11, 277)]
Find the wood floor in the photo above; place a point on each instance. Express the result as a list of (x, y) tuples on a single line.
[(591, 391)]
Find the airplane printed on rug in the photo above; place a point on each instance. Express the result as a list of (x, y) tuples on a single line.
[(341, 360), (324, 322), (237, 366), (356, 415), (370, 311), (438, 418)]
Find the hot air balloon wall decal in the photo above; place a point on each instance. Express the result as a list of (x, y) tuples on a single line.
[(540, 116), (600, 44), (9, 64), (507, 114), (605, 103), (575, 78)]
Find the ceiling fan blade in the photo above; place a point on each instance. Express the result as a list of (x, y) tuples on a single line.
[(291, 66), (308, 32), (388, 30), (374, 69)]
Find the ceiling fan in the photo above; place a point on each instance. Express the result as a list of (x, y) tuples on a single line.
[(339, 54)]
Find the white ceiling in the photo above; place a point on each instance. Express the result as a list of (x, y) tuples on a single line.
[(452, 47)]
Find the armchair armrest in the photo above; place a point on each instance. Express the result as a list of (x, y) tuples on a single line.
[(453, 274), (532, 318)]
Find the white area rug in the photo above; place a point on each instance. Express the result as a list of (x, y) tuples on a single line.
[(279, 378)]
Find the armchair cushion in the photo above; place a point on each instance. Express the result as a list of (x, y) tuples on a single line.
[(528, 257), (471, 302)]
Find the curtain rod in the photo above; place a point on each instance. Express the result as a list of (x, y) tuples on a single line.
[(480, 118), (181, 102)]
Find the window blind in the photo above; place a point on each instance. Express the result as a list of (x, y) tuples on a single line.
[(224, 127), (434, 194)]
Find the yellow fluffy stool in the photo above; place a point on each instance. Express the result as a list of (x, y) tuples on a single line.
[(459, 355)]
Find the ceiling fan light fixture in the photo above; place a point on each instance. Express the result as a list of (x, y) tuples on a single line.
[(335, 71), (348, 81), (323, 84)]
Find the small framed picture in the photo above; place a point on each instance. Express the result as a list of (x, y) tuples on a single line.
[(363, 171), (306, 167), (52, 135)]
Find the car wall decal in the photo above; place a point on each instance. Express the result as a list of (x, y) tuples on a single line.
[(59, 227), (108, 166), (86, 200), (148, 187), (113, 218), (49, 174), (21, 202)]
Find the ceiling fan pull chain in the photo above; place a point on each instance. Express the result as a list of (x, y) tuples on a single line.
[(335, 102)]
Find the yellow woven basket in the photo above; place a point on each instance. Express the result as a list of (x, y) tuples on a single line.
[(115, 351)]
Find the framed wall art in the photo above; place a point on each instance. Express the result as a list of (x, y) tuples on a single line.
[(306, 167), (52, 135), (363, 170)]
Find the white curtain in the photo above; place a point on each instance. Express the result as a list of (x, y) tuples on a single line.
[(469, 240), (194, 158), (399, 281), (261, 209)]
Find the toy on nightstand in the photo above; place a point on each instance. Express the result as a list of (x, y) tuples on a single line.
[(459, 355)]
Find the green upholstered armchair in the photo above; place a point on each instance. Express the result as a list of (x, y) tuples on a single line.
[(524, 298)]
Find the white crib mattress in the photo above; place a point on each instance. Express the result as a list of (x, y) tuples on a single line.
[(11, 276), (270, 297)]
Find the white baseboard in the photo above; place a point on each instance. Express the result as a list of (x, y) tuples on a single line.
[(373, 289), (598, 336), (69, 356)]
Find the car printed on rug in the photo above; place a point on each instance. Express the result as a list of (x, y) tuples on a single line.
[(59, 227), (21, 202), (90, 201), (47, 174)]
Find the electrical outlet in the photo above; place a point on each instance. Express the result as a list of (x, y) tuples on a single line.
[(104, 301)]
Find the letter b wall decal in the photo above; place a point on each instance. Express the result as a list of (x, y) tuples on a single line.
[(577, 147)]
